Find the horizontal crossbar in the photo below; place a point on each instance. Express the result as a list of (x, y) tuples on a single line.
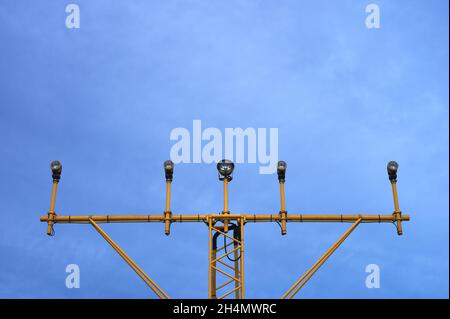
[(221, 217)]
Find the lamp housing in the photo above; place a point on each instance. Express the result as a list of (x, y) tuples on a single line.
[(168, 170), (281, 171), (56, 168), (392, 168), (225, 168)]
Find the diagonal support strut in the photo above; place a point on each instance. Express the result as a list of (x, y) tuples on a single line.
[(153, 286), (311, 271)]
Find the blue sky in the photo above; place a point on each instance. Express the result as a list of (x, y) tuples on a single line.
[(104, 98)]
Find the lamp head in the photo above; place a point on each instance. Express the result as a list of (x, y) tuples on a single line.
[(56, 168), (392, 168), (225, 168), (168, 169), (281, 171)]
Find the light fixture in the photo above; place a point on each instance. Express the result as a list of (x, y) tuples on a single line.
[(225, 168), (392, 168), (281, 171), (56, 168), (168, 169)]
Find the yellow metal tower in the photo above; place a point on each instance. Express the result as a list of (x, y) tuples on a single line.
[(226, 261)]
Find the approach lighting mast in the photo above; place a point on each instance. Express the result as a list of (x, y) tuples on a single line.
[(226, 260)]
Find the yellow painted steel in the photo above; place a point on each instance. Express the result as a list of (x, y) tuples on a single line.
[(236, 289), (283, 213), (397, 213), (226, 254), (168, 184), (237, 273), (225, 195), (282, 198), (219, 224), (51, 212), (153, 286), (242, 224), (224, 273), (311, 271), (167, 211), (210, 269), (211, 219), (214, 274), (217, 229), (225, 203), (235, 264), (221, 217)]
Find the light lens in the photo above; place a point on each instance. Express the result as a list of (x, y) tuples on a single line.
[(392, 168), (281, 167), (281, 170), (168, 166), (56, 167), (225, 167), (168, 170)]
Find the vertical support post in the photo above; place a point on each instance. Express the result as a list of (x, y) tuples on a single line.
[(283, 212), (167, 211), (56, 168), (392, 168), (213, 274), (51, 212), (168, 170), (241, 226), (282, 198), (397, 212), (281, 172), (168, 184), (225, 203), (237, 273), (210, 258)]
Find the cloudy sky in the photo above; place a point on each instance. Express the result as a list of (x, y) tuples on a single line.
[(104, 99)]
